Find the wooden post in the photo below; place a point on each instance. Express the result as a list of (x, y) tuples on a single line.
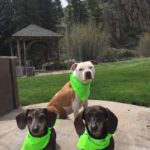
[(25, 53), (48, 53), (58, 49), (11, 49), (49, 47), (19, 52)]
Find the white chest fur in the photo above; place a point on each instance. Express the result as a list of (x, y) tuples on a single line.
[(76, 105)]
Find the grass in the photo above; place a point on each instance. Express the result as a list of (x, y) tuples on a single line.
[(123, 81)]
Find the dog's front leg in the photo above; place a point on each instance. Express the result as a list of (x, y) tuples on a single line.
[(111, 145), (76, 107), (52, 143)]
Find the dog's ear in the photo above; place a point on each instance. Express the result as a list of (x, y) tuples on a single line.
[(79, 124), (94, 62), (74, 66), (51, 118), (111, 121), (21, 120)]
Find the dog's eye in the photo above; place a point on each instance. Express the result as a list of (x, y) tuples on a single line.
[(42, 118), (90, 67), (29, 119), (81, 69), (88, 115), (88, 119)]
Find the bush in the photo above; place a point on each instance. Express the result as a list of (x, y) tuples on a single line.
[(87, 42), (118, 54), (54, 65), (144, 45)]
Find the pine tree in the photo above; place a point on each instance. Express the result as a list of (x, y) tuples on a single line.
[(95, 11), (77, 11), (46, 14), (126, 20), (6, 13), (41, 12), (58, 11), (68, 14)]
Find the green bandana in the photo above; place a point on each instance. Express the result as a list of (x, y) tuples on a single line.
[(88, 143), (80, 88), (36, 143)]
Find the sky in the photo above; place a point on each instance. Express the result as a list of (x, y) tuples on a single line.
[(64, 3)]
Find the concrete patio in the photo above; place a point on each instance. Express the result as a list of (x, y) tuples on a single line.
[(133, 130)]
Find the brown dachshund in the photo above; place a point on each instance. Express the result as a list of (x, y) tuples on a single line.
[(38, 122), (99, 121)]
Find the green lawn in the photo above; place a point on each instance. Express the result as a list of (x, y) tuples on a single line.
[(123, 81)]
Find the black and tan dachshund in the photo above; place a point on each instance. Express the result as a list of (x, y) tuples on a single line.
[(99, 121), (38, 122)]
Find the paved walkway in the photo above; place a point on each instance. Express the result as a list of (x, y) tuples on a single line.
[(133, 130)]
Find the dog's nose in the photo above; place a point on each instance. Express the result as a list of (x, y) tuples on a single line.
[(35, 129), (88, 75), (94, 127)]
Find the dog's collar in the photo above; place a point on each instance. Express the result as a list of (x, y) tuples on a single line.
[(81, 89), (36, 143), (86, 142)]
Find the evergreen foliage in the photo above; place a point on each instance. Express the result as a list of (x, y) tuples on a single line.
[(6, 12), (124, 20), (16, 14)]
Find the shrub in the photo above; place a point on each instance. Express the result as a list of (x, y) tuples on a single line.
[(87, 42), (144, 45), (54, 65), (118, 54)]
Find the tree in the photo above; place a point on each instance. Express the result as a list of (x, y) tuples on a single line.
[(126, 20), (88, 42), (76, 12), (40, 12), (95, 11), (6, 13), (16, 14), (58, 11)]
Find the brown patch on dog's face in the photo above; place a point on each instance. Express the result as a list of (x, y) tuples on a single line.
[(95, 119), (37, 121)]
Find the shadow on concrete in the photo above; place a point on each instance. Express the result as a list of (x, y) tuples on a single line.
[(11, 115), (58, 147)]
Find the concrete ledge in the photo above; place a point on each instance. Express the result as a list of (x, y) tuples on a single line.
[(133, 130)]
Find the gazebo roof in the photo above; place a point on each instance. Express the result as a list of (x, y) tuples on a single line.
[(35, 31)]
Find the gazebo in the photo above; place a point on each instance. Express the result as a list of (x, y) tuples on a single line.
[(23, 39)]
